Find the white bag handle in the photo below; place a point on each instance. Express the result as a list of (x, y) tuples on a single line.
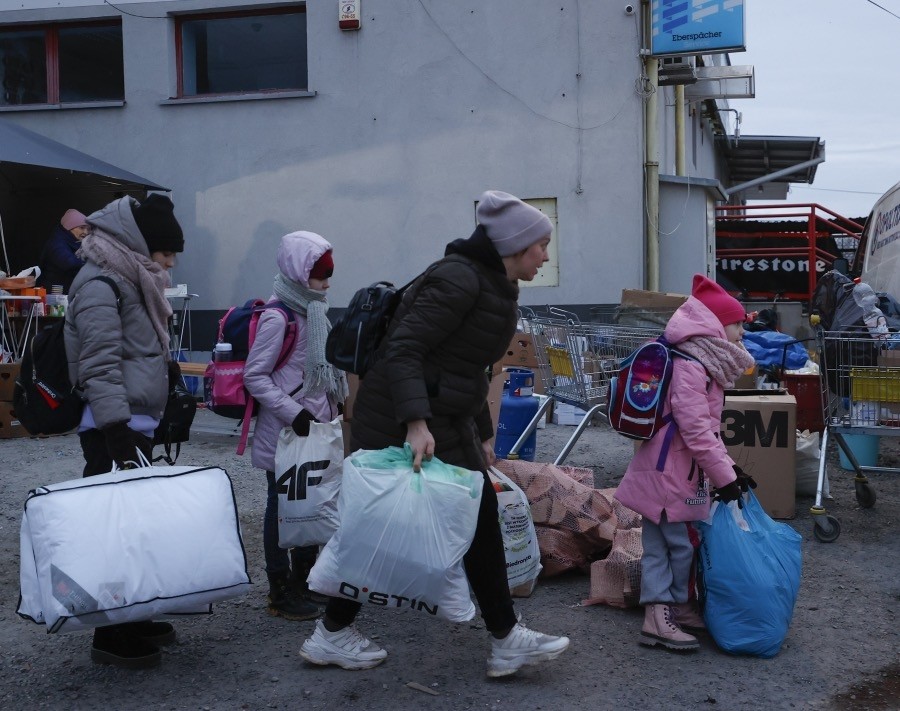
[(141, 462)]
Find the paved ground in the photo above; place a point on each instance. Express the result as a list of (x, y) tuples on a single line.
[(841, 652)]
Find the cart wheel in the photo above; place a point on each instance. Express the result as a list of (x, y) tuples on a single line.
[(827, 531), (865, 496)]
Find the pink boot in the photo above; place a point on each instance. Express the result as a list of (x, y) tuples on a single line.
[(688, 616), (660, 628)]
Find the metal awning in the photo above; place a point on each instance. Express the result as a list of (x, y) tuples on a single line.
[(757, 160), (32, 162)]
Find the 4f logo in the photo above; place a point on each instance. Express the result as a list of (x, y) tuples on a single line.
[(296, 479)]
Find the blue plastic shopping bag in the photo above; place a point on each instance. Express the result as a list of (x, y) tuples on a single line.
[(749, 576)]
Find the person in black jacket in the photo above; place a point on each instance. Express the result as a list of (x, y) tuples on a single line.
[(429, 388), (59, 263)]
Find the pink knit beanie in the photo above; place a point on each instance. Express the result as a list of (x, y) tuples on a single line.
[(725, 307), (72, 219)]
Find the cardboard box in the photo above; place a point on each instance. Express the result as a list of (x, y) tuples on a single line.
[(9, 425), (564, 414), (747, 381), (8, 374), (521, 354), (647, 309), (353, 385), (759, 429), (652, 299)]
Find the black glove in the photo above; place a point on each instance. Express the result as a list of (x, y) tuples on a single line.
[(121, 444), (301, 423), (174, 374), (729, 492), (744, 481)]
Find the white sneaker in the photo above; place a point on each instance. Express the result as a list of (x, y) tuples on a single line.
[(523, 646), (346, 648)]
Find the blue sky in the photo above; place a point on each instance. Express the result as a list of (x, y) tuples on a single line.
[(829, 68)]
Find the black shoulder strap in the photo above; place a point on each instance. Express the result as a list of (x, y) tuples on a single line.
[(113, 286)]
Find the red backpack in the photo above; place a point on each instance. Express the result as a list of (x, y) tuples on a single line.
[(228, 396)]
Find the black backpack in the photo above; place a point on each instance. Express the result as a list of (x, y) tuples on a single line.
[(355, 336), (44, 400)]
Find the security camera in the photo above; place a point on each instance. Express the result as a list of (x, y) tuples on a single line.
[(629, 9)]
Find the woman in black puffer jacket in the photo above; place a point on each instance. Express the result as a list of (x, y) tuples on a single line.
[(429, 388)]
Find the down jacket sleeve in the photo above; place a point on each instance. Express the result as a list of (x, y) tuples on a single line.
[(698, 420), (440, 305)]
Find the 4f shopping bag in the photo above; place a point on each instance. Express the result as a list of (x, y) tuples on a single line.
[(308, 477), (128, 546), (523, 555), (402, 535), (749, 576)]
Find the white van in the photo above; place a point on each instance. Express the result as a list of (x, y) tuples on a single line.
[(878, 257)]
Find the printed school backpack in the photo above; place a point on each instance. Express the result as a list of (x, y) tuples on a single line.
[(45, 400), (637, 395), (228, 396)]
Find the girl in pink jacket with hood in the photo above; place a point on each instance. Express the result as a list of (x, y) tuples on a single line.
[(305, 389), (672, 494)]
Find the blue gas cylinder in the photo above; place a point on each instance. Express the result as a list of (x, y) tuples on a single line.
[(517, 408)]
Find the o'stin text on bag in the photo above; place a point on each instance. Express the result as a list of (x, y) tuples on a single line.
[(384, 599)]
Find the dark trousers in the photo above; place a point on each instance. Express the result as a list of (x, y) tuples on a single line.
[(96, 456), (278, 561), (98, 461), (485, 564)]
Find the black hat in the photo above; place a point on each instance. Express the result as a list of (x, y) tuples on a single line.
[(155, 218)]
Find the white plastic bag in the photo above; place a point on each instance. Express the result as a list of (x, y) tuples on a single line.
[(308, 476), (402, 536), (806, 465), (523, 555), (128, 546)]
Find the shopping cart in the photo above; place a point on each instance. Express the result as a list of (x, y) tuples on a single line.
[(576, 362), (860, 396)]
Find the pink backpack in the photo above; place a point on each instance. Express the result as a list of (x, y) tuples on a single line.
[(228, 396)]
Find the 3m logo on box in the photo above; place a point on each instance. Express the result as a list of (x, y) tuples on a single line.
[(747, 428)]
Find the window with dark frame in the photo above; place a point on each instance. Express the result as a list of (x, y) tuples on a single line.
[(64, 63), (241, 52)]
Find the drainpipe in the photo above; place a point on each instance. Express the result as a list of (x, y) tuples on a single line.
[(680, 165), (651, 162)]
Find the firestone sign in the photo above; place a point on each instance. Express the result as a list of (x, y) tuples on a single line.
[(696, 27)]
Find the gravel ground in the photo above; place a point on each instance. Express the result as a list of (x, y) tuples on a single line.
[(841, 652)]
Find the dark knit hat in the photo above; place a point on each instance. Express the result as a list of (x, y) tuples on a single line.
[(155, 218), (323, 268), (725, 307), (511, 224)]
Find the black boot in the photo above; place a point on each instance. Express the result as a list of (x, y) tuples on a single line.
[(302, 561), (285, 601), (157, 633), (120, 646)]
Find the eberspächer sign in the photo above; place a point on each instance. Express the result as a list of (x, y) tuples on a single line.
[(696, 27)]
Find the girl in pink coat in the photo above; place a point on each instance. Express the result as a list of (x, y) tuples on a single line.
[(673, 493), (305, 389)]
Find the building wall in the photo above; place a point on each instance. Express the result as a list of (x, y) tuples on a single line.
[(413, 116)]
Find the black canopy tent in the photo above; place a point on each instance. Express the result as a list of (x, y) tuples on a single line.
[(40, 179)]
